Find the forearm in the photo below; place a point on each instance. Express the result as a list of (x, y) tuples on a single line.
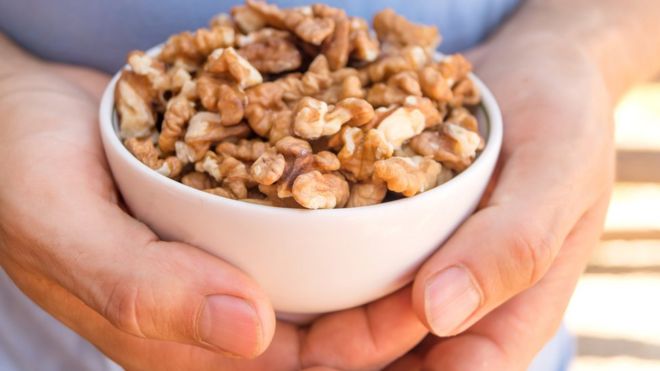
[(14, 58), (621, 38)]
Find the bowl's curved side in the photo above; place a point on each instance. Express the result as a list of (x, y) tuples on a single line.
[(307, 261)]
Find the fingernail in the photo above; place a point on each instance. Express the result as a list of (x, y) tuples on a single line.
[(231, 324), (450, 298)]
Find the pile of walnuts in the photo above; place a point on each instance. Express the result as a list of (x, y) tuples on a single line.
[(301, 107)]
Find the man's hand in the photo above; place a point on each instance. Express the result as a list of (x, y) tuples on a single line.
[(68, 244), (503, 280)]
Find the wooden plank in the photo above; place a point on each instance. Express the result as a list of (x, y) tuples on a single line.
[(638, 166), (643, 234), (623, 257)]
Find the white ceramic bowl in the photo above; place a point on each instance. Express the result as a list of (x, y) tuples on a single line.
[(308, 261)]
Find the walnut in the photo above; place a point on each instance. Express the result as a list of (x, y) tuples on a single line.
[(227, 60), (180, 48), (434, 85), (462, 117), (306, 26), (269, 13), (411, 58), (396, 30), (455, 146), (247, 19), (192, 48), (408, 175), (222, 192), (454, 68), (398, 88), (270, 51), (438, 146), (432, 116), (337, 46), (282, 125), (204, 129), (263, 100), (299, 160), (274, 200), (367, 193), (268, 168), (290, 146), (315, 190), (345, 83), (231, 104), (208, 40), (179, 110), (151, 68), (231, 172), (360, 150), (145, 151), (134, 98), (351, 87), (245, 150), (222, 20), (326, 11), (364, 47), (220, 95), (313, 119), (402, 124), (326, 161), (198, 180), (468, 141), (295, 166), (465, 93), (317, 79)]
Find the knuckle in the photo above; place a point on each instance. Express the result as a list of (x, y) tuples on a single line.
[(533, 249), (122, 308)]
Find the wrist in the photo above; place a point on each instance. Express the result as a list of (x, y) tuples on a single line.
[(620, 38)]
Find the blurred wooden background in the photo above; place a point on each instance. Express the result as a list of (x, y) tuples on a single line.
[(615, 312)]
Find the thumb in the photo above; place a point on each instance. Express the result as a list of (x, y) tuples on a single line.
[(168, 290), (501, 250)]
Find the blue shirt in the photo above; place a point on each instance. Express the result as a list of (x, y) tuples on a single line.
[(99, 33)]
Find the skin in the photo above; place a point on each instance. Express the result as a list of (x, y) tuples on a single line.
[(68, 244)]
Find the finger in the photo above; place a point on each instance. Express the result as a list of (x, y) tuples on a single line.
[(136, 353), (509, 337), (154, 289), (363, 338), (507, 246), (92, 81)]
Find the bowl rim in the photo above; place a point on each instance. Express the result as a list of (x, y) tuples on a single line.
[(110, 138)]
